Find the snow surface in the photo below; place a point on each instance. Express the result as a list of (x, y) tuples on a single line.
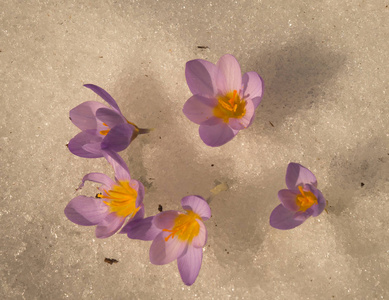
[(325, 68)]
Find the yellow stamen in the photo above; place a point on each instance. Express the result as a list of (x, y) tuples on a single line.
[(305, 200), (230, 106), (185, 227), (121, 199)]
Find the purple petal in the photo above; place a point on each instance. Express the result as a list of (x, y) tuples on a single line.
[(201, 77), (198, 205), (140, 214), (163, 252), (297, 175), (99, 178), (201, 239), (321, 201), (86, 211), (189, 264), (109, 226), (138, 186), (110, 117), (216, 135), (142, 229), (165, 220), (103, 94), (232, 75), (252, 87), (84, 115), (118, 138), (246, 120), (76, 145), (282, 218), (93, 148), (199, 110), (118, 164), (288, 199)]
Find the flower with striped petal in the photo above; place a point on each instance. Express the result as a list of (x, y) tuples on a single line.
[(118, 200), (301, 200), (103, 128), (223, 102), (176, 235)]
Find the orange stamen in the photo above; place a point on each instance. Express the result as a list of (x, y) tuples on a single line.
[(104, 132), (121, 199), (232, 100), (305, 200), (185, 227)]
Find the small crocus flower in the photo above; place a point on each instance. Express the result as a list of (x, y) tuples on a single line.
[(223, 101), (176, 235), (103, 128), (117, 200), (301, 200)]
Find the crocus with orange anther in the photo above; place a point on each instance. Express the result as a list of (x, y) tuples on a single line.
[(223, 102), (103, 128), (118, 200), (301, 200), (176, 235)]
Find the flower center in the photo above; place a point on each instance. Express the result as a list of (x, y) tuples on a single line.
[(121, 199), (185, 227), (104, 132), (134, 135), (230, 106), (305, 200)]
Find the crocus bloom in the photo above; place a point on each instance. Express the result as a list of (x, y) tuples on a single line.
[(176, 235), (103, 128), (116, 201), (223, 101), (301, 200)]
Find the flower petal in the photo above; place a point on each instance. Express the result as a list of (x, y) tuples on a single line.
[(110, 117), (118, 138), (216, 135), (230, 75), (103, 94), (321, 201), (93, 148), (282, 218), (76, 145), (198, 205), (99, 178), (109, 226), (141, 229), (288, 199), (140, 214), (201, 77), (165, 220), (199, 110), (189, 264), (86, 211), (84, 115), (163, 252), (252, 87), (201, 239), (138, 186), (118, 164), (246, 120), (297, 175)]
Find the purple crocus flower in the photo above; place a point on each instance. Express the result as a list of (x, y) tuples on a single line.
[(176, 235), (103, 128), (301, 200), (116, 201), (223, 101)]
